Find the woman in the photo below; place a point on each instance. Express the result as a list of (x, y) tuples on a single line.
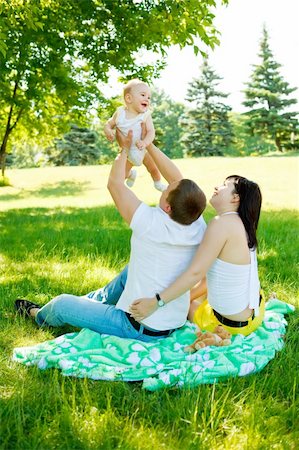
[(227, 257)]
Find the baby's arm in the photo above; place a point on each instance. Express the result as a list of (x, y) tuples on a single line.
[(109, 127), (150, 134)]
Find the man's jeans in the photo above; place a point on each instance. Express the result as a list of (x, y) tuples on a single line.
[(111, 293), (95, 311)]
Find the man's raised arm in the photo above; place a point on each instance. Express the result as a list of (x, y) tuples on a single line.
[(124, 199), (167, 168)]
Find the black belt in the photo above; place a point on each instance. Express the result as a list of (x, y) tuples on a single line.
[(228, 322), (146, 331), (233, 323)]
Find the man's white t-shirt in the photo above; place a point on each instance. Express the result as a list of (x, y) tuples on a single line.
[(161, 250)]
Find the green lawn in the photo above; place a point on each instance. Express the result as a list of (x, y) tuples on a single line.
[(60, 233)]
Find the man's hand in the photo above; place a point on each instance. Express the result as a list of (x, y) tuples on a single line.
[(141, 145), (124, 142), (143, 307), (143, 130)]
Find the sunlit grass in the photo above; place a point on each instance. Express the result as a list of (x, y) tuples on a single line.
[(60, 233), (86, 186)]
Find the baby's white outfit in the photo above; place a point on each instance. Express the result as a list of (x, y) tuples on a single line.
[(135, 156)]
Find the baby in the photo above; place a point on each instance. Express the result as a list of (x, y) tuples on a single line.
[(130, 117)]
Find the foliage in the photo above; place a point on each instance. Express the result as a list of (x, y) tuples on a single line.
[(77, 147), (166, 117), (26, 154), (207, 127), (108, 150), (4, 181), (54, 52), (246, 143), (268, 96)]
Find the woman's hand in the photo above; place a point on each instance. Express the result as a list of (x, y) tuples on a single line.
[(143, 307)]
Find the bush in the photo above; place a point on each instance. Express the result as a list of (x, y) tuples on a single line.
[(4, 181)]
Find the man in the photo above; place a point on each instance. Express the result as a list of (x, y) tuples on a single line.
[(163, 242)]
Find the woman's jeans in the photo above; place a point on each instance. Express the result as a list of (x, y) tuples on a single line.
[(95, 311)]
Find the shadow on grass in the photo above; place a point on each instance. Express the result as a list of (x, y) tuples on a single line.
[(69, 233), (100, 234), (68, 402), (61, 189), (278, 247), (51, 236), (45, 252)]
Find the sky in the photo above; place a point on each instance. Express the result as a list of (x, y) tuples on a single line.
[(240, 24)]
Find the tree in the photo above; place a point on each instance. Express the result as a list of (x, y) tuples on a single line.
[(267, 95), (244, 143), (166, 116), (26, 154), (208, 130), (78, 147), (54, 52)]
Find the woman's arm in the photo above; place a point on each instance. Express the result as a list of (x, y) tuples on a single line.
[(199, 290), (214, 240)]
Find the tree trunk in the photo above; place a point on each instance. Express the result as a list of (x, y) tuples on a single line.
[(3, 151), (8, 130), (278, 143), (3, 147)]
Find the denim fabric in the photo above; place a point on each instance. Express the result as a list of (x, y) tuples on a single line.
[(110, 293), (84, 312)]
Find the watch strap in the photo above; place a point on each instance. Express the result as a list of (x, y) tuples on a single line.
[(159, 299)]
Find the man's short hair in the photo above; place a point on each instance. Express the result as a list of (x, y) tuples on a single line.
[(187, 202)]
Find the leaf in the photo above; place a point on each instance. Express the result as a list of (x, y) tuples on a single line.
[(62, 49)]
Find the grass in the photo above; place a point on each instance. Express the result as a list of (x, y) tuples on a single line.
[(60, 233)]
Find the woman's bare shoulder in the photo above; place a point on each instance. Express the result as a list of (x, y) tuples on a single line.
[(217, 225), (225, 224), (221, 220)]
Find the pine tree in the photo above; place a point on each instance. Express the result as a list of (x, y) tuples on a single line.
[(166, 115), (77, 147), (208, 129), (267, 95)]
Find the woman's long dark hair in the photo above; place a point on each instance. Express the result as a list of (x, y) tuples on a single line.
[(249, 207)]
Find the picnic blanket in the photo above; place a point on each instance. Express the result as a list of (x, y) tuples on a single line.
[(163, 364)]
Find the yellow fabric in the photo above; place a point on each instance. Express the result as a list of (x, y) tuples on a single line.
[(205, 319)]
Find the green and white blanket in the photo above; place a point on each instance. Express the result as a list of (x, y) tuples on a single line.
[(163, 364)]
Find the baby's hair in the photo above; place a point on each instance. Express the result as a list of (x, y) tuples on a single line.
[(131, 84)]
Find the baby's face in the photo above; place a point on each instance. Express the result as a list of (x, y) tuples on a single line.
[(139, 98)]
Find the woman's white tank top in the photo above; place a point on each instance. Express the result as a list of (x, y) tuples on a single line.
[(234, 287)]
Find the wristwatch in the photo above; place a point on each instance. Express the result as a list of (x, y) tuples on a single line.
[(159, 300)]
